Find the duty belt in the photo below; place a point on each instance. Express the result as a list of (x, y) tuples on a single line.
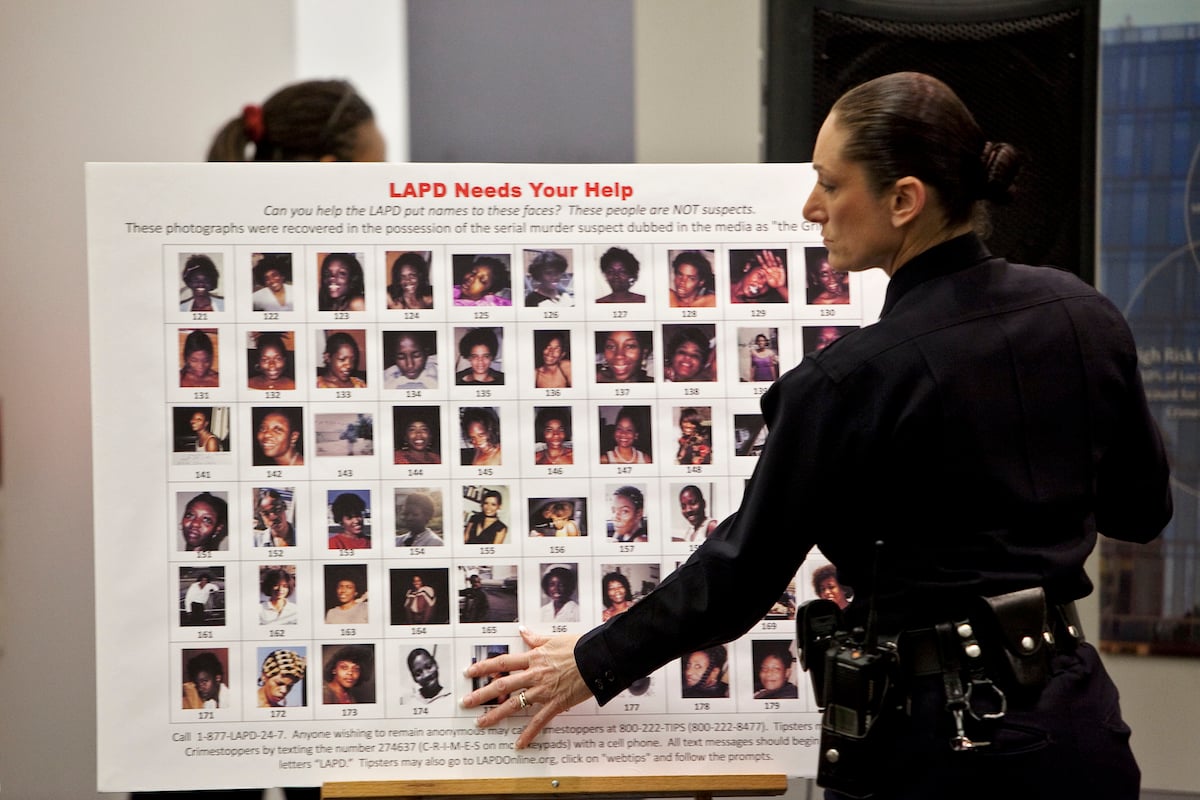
[(921, 648), (1002, 649)]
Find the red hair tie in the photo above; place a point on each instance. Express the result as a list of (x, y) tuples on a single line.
[(252, 123)]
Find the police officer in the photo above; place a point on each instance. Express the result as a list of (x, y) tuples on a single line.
[(991, 423)]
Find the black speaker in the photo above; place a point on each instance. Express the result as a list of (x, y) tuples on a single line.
[(1027, 70)]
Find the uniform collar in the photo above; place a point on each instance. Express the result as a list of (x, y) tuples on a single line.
[(948, 257)]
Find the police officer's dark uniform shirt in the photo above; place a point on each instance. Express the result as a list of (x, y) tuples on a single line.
[(984, 429)]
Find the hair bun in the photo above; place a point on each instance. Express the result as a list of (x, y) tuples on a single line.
[(1001, 163)]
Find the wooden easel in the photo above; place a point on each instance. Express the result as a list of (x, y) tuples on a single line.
[(701, 787)]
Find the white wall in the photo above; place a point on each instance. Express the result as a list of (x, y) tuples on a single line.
[(697, 80), (364, 41), (138, 80)]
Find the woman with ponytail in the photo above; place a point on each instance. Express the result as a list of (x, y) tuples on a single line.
[(308, 121), (955, 462)]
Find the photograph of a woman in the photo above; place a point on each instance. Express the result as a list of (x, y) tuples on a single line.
[(342, 286), (705, 672), (560, 599), (201, 276), (269, 359), (419, 596), (409, 285), (549, 279), (478, 351), (480, 437), (204, 522), (620, 269), (625, 435), (826, 285), (773, 670), (199, 359), (205, 439), (758, 355), (623, 585), (481, 280), (410, 360), (623, 356), (272, 273), (557, 516), (278, 437), (628, 520), (485, 525), (690, 354), (417, 433), (552, 432), (618, 595), (201, 430), (281, 677), (277, 595), (692, 281), (695, 436), (349, 674), (341, 363), (552, 355)]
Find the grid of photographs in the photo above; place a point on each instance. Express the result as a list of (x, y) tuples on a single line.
[(384, 460)]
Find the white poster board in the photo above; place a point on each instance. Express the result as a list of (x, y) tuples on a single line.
[(237, 410)]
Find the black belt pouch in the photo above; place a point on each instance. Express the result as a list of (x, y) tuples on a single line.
[(1011, 630)]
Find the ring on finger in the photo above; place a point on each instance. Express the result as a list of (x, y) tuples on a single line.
[(521, 699)]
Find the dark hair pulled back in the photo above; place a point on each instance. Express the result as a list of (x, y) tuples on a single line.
[(912, 124), (301, 122)]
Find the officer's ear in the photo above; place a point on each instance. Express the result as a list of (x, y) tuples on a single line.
[(907, 199)]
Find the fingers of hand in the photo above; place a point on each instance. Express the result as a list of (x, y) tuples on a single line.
[(494, 689), (479, 668), (476, 698), (510, 684), (494, 714), (533, 639), (535, 725), (499, 664)]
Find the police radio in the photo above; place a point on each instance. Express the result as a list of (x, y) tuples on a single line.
[(852, 674)]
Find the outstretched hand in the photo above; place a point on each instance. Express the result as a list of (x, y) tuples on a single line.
[(774, 269), (545, 676)]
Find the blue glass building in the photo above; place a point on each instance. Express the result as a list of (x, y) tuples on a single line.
[(1150, 267)]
